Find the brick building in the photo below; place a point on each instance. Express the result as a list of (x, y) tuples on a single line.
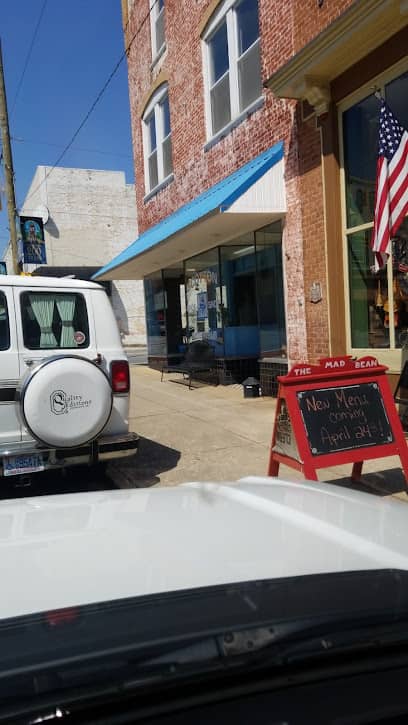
[(89, 215), (255, 138)]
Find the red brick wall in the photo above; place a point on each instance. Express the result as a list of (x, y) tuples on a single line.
[(194, 169), (310, 20), (311, 191), (284, 27), (288, 25), (277, 34)]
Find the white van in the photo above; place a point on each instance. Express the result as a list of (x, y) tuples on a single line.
[(64, 376)]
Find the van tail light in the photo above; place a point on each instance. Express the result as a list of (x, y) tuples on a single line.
[(120, 376), (61, 616)]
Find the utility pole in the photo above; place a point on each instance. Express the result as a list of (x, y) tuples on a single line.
[(8, 168)]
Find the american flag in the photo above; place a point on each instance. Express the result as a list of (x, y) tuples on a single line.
[(391, 199)]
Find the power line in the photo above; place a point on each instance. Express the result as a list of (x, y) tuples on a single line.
[(96, 101), (75, 148), (27, 60)]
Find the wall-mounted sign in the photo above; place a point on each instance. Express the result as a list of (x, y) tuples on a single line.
[(316, 292), (32, 235)]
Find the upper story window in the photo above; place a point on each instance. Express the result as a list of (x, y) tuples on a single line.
[(232, 64), (158, 161), (157, 27)]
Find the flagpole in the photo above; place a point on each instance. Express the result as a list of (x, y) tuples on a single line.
[(377, 93)]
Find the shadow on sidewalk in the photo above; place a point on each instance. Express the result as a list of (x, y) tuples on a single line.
[(380, 483), (78, 479), (144, 468)]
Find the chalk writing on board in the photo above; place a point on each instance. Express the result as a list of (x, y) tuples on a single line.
[(344, 418)]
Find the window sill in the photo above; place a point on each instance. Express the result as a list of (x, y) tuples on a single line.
[(255, 106), (158, 56), (158, 188)]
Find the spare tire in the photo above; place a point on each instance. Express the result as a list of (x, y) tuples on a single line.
[(66, 401)]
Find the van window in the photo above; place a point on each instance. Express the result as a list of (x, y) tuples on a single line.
[(54, 320), (4, 324)]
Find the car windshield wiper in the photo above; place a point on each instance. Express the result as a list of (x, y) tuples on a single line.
[(288, 641), (229, 653)]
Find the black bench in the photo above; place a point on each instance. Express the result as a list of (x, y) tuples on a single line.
[(199, 358)]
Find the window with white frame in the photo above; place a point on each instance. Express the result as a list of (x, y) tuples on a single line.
[(157, 27), (158, 160), (378, 303), (232, 63)]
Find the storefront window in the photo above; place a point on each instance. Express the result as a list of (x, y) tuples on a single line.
[(378, 302), (241, 332), (360, 128), (396, 95), (203, 300), (400, 285), (231, 296), (173, 279), (155, 305), (367, 295), (271, 306)]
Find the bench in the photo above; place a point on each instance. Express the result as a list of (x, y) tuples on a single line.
[(199, 358)]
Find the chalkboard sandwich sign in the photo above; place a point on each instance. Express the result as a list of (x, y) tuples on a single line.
[(340, 411)]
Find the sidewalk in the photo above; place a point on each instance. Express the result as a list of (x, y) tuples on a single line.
[(213, 433)]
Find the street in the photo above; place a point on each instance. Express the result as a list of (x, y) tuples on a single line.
[(209, 433)]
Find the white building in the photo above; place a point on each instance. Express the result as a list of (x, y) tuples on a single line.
[(90, 216)]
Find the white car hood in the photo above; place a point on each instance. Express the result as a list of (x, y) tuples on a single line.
[(59, 551)]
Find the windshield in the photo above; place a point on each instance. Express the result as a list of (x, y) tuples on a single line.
[(203, 360)]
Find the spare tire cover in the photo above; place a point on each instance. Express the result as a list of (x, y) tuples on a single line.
[(66, 401)]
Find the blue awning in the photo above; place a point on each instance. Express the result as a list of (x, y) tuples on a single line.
[(147, 253)]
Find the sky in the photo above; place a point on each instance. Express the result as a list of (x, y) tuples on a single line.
[(77, 45)]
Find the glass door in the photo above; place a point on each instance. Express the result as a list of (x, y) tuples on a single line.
[(205, 300)]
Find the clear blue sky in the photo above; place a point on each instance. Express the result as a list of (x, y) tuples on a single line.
[(77, 46)]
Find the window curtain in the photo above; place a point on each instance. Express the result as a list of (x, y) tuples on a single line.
[(43, 309), (66, 309)]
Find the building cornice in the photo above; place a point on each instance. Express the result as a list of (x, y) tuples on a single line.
[(358, 31)]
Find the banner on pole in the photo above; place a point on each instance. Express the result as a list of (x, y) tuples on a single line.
[(32, 235)]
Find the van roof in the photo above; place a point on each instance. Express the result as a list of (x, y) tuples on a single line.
[(15, 280)]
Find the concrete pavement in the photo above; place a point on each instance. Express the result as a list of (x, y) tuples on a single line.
[(136, 354), (212, 433)]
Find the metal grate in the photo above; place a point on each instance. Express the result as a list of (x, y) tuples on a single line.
[(269, 372)]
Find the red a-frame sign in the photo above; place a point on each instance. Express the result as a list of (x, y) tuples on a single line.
[(340, 411)]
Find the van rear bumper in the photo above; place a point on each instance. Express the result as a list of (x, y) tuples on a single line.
[(103, 449)]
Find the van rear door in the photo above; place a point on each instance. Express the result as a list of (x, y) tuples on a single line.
[(10, 428), (53, 321)]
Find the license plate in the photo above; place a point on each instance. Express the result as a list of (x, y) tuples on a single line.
[(17, 465)]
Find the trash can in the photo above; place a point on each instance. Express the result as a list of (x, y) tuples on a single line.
[(251, 388)]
